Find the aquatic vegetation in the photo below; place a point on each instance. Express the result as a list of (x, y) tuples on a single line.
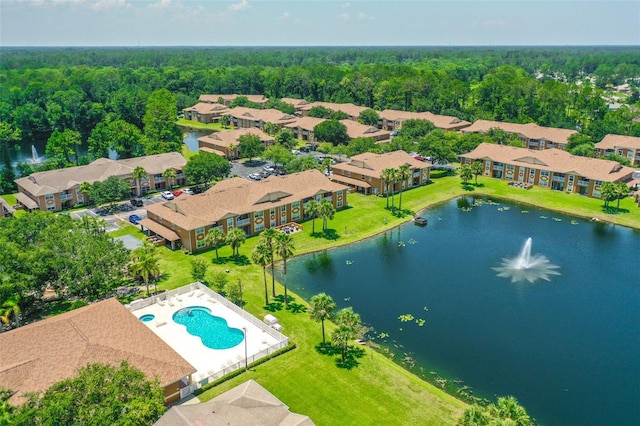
[(406, 317)]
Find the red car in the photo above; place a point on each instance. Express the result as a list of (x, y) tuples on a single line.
[(419, 157), (177, 193)]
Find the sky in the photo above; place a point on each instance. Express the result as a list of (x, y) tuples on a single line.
[(318, 23)]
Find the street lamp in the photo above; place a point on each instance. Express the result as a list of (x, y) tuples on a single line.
[(246, 362)]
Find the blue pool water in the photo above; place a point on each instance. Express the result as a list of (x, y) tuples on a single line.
[(147, 317), (212, 330)]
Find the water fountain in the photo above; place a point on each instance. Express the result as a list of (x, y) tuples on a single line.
[(35, 158), (526, 267)]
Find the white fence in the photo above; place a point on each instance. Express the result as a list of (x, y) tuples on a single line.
[(283, 340)]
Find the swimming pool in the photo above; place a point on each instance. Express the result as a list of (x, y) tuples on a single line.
[(213, 331), (147, 317)]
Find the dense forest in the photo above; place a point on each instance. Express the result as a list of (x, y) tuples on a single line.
[(124, 98)]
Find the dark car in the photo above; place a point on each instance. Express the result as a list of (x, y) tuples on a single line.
[(135, 219), (137, 202)]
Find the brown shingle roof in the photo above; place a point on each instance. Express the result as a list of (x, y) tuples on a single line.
[(54, 181), (357, 130), (236, 196), (553, 160), (619, 141), (269, 115), (529, 130), (208, 108), (445, 122), (228, 137), (246, 404), (305, 123), (35, 356), (371, 164)]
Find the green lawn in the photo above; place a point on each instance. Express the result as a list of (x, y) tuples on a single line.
[(196, 125), (375, 389)]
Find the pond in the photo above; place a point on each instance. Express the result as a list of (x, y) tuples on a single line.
[(566, 346), (191, 136)]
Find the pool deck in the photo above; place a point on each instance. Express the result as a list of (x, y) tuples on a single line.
[(206, 361)]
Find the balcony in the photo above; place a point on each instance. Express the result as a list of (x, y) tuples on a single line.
[(242, 222), (498, 168), (558, 179), (64, 197), (583, 183)]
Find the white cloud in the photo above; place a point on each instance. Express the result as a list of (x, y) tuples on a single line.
[(364, 17), (235, 7), (108, 4), (284, 16), (346, 5), (343, 16)]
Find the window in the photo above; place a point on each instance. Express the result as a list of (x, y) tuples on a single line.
[(230, 223), (48, 197), (200, 243), (510, 167), (200, 230)]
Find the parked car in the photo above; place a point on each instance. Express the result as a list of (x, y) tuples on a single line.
[(135, 219), (295, 152), (419, 157), (255, 176), (137, 202), (167, 195), (268, 168), (177, 193), (188, 191)]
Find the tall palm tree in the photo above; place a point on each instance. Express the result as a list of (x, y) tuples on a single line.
[(10, 307), (268, 236), (387, 178), (235, 238), (215, 238), (322, 308), (403, 173), (326, 212), (145, 264), (169, 174), (285, 248), (138, 174), (340, 338), (263, 255), (312, 209), (622, 192), (84, 189)]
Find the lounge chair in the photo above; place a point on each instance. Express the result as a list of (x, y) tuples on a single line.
[(171, 303)]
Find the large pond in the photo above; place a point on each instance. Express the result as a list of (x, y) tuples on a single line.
[(567, 348)]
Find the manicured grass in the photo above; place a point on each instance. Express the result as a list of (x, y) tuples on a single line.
[(10, 199), (196, 125), (375, 389)]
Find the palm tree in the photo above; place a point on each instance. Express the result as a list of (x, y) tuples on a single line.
[(477, 169), (268, 236), (169, 174), (326, 212), (387, 178), (608, 192), (285, 248), (235, 238), (10, 307), (326, 164), (84, 189), (215, 237), (509, 408), (263, 255), (403, 173), (340, 338), (465, 173), (312, 209), (138, 174), (145, 264), (322, 307)]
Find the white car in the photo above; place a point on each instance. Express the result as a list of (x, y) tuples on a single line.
[(167, 195), (188, 191)]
